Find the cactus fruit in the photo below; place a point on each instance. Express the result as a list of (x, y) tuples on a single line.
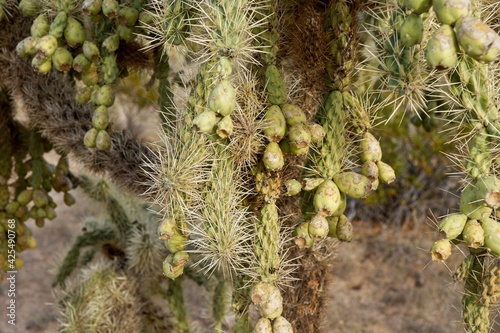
[(442, 48), (62, 59), (46, 46), (40, 26), (327, 198), (293, 187), (473, 234), (441, 250), (418, 6), (276, 124), (477, 39), (281, 325), (491, 235), (57, 26), (110, 8), (293, 114), (90, 51), (450, 11), (225, 127), (80, 63), (100, 118), (91, 7), (74, 34), (205, 121), (318, 226), (102, 140), (472, 205), (263, 325), (411, 31), (299, 135), (222, 99), (353, 184), (89, 140), (302, 237), (273, 157), (453, 224)]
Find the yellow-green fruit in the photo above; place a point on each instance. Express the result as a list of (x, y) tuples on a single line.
[(222, 99), (311, 183), (89, 140), (411, 31), (100, 118), (477, 39), (281, 325), (74, 34), (473, 234), (370, 148), (57, 26), (176, 243), (353, 184), (488, 189), (109, 69), (125, 33), (173, 265), (273, 157), (298, 151), (105, 96), (442, 48), (293, 114), (205, 121), (20, 49), (272, 307), (111, 43), (110, 8), (50, 212), (369, 169), (275, 127), (128, 16), (472, 206), (80, 63), (332, 226), (449, 11), (69, 200), (293, 187), (302, 237), (276, 91), (491, 235), (385, 172), (317, 133), (344, 229), (418, 6), (90, 50), (167, 229), (224, 67), (453, 224), (102, 140), (441, 250), (90, 76), (318, 226), (29, 7), (83, 94), (29, 44), (40, 198), (225, 127), (40, 26), (327, 198), (263, 325), (24, 197), (62, 59), (299, 135), (46, 46), (41, 64), (91, 7), (261, 292)]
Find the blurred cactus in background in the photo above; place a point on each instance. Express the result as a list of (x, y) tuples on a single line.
[(272, 119)]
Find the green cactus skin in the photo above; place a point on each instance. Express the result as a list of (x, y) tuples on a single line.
[(453, 224), (491, 235), (412, 30), (442, 48), (74, 34), (57, 26), (450, 11)]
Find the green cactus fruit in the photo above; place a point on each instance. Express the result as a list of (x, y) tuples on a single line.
[(62, 59), (317, 133), (453, 224), (74, 34), (293, 114), (302, 237), (385, 172), (12, 207), (224, 67), (327, 199), (263, 325), (477, 39), (318, 226), (298, 151), (276, 91), (344, 229), (24, 197), (111, 43), (90, 76), (176, 243), (173, 265), (105, 96), (293, 187), (69, 200), (39, 222), (260, 293), (29, 7), (353, 184), (418, 6), (50, 213), (46, 46), (441, 250), (41, 64), (40, 198), (281, 325), (225, 127), (272, 307), (89, 140), (91, 7), (40, 26), (311, 183), (471, 205), (369, 169), (222, 99), (275, 128), (109, 69), (29, 44), (491, 235), (332, 226), (473, 234), (273, 157), (449, 11), (488, 189), (110, 8), (411, 31), (82, 96), (370, 148), (299, 135), (205, 121), (90, 51), (100, 118), (20, 49), (167, 229), (80, 63), (125, 33), (103, 140), (442, 48), (40, 213), (128, 16), (58, 25)]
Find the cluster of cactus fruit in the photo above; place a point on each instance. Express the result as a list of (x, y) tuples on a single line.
[(250, 157)]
